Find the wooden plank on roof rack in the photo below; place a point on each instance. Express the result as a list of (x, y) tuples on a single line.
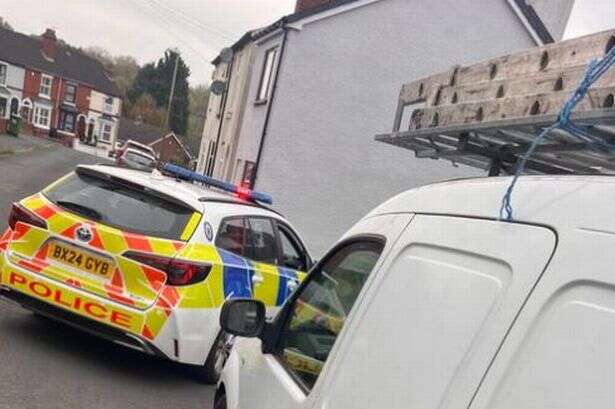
[(501, 104)]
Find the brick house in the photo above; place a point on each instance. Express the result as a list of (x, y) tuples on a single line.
[(168, 146), (62, 92)]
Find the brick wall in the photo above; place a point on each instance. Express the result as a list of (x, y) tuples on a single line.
[(170, 151), (303, 5)]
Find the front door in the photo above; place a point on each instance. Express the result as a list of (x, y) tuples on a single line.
[(315, 319), (81, 128)]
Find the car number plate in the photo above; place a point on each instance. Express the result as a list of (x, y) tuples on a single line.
[(83, 260)]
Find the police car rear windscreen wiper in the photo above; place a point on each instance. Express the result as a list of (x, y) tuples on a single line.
[(81, 209)]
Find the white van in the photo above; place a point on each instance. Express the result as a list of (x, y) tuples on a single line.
[(431, 302)]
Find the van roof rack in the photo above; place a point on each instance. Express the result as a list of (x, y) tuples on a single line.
[(486, 115)]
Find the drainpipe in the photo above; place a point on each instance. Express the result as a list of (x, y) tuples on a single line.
[(271, 99), (222, 115), (57, 104)]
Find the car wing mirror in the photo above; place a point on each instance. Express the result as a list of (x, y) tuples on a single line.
[(243, 317)]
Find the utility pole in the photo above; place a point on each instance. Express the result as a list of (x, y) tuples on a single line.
[(166, 122)]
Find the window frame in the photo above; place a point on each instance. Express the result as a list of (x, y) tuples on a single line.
[(63, 122), (274, 222), (4, 107), (280, 225), (224, 221), (267, 75), (36, 116), (108, 105), (273, 332), (102, 132), (4, 79), (74, 94), (41, 85)]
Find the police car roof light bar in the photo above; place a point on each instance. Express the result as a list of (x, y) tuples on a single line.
[(242, 192)]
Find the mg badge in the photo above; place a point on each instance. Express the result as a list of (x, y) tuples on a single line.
[(84, 234)]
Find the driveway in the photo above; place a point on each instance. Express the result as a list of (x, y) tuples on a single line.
[(47, 365)]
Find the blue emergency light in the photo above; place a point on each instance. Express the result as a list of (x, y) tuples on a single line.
[(241, 192)]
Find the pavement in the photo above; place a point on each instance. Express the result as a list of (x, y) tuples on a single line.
[(45, 364)]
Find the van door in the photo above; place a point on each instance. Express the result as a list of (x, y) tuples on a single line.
[(560, 353), (316, 317), (438, 310)]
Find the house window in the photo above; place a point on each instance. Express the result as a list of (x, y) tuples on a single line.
[(70, 94), (45, 88), (67, 121), (109, 104), (106, 129), (42, 114), (267, 75), (3, 70), (3, 104)]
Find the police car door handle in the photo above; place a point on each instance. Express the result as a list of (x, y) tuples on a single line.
[(291, 285), (257, 279)]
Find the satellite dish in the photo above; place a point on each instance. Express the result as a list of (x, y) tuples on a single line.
[(226, 55), (217, 87)]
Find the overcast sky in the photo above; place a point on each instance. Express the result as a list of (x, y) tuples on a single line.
[(199, 28)]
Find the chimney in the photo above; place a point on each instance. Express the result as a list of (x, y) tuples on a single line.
[(48, 43), (304, 5)]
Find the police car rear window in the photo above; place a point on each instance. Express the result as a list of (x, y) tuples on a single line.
[(121, 205)]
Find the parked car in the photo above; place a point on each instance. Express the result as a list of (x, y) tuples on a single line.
[(146, 260), (137, 146), (431, 302), (132, 158)]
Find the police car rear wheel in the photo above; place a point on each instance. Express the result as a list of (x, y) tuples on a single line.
[(210, 372)]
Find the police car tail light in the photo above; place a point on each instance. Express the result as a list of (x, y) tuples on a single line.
[(179, 272), (21, 214)]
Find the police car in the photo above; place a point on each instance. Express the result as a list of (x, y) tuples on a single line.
[(146, 259)]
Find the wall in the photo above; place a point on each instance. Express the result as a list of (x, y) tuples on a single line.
[(235, 104), (212, 121), (338, 87), (255, 113), (97, 111), (14, 78), (554, 14), (14, 85), (170, 151)]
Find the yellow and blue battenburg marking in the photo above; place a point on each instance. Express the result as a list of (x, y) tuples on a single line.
[(132, 296)]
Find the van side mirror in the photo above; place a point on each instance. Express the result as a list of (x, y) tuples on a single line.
[(243, 317)]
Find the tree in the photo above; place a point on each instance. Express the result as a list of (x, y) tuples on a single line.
[(144, 109), (198, 101), (123, 68), (156, 80), (5, 24)]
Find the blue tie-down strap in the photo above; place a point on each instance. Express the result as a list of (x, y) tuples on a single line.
[(594, 71)]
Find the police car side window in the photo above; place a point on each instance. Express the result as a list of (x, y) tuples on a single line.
[(261, 242), (292, 253), (317, 315), (232, 235)]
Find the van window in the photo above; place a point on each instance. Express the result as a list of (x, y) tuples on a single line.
[(319, 312)]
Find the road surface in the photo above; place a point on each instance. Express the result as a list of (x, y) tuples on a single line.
[(44, 364)]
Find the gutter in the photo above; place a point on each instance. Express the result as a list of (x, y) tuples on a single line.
[(269, 105), (532, 22)]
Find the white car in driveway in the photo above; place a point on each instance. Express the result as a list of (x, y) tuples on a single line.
[(431, 302)]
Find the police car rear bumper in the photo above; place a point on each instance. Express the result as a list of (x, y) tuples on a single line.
[(76, 321), (14, 288)]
